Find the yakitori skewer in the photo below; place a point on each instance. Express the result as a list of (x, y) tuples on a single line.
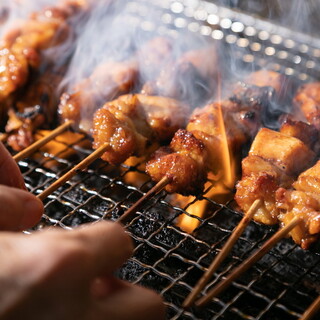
[(312, 310), (153, 191), (41, 142), (224, 284), (222, 254), (80, 166)]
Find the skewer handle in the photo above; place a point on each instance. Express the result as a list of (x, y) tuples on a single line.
[(222, 254), (312, 310), (67, 176), (38, 144), (248, 262), (157, 188)]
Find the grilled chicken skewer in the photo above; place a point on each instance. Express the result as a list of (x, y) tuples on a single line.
[(299, 214), (195, 151), (23, 59), (307, 100), (274, 161), (132, 122)]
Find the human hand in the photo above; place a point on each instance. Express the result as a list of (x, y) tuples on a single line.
[(19, 209), (59, 274)]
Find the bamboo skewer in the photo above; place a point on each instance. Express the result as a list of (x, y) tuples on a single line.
[(38, 144), (248, 262), (222, 254), (80, 166), (312, 310), (153, 191)]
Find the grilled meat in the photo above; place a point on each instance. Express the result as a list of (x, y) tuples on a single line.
[(304, 202), (191, 78), (28, 78), (107, 81), (131, 122), (307, 100), (21, 48), (275, 159), (183, 162), (266, 78), (110, 80), (241, 120)]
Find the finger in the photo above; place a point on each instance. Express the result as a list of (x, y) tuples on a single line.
[(128, 301), (10, 174), (102, 247), (19, 209)]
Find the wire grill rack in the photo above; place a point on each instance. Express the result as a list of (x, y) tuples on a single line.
[(281, 285)]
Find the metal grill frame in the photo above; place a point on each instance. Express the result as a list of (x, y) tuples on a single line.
[(280, 286)]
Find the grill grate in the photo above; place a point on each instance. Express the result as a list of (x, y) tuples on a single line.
[(281, 285)]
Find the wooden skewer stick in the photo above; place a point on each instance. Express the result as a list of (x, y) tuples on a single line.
[(80, 166), (222, 254), (38, 144), (312, 310), (154, 190), (248, 262)]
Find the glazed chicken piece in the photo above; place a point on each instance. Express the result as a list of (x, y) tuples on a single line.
[(183, 162), (274, 161), (33, 107), (191, 78), (266, 78), (110, 80), (305, 132), (132, 122), (241, 119), (29, 77), (21, 48), (304, 202), (107, 81), (307, 100)]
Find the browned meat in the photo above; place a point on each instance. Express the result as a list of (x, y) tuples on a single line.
[(303, 202), (35, 107), (131, 122), (308, 134), (191, 78), (205, 126), (107, 81), (307, 99), (274, 161), (20, 49), (183, 162), (266, 78)]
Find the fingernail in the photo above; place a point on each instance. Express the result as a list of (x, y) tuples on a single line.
[(33, 210)]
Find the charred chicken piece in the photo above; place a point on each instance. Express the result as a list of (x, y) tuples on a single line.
[(241, 120), (33, 107), (131, 122), (108, 81), (191, 78), (266, 78), (274, 161), (183, 162), (305, 132), (303, 202), (21, 48), (307, 100)]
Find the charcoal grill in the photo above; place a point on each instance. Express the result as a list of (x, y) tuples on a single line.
[(281, 285)]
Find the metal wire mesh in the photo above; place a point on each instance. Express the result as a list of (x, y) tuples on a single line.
[(282, 284)]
